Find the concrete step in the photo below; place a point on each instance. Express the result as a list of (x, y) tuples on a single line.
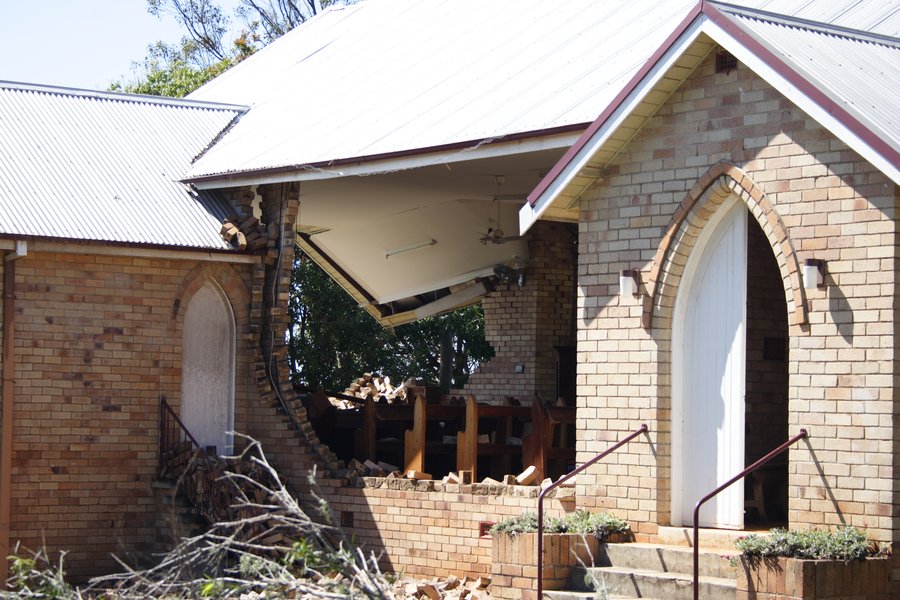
[(560, 595), (666, 559), (710, 539), (642, 583)]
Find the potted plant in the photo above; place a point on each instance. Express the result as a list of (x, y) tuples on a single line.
[(569, 542), (811, 565)]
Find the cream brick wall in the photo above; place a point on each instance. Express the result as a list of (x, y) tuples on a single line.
[(430, 529), (834, 206), (523, 325)]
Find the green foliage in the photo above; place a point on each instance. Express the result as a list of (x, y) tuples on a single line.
[(35, 576), (175, 79), (601, 525), (845, 543), (333, 341), (524, 523)]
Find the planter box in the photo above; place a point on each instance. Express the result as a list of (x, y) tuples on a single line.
[(514, 561), (795, 579)]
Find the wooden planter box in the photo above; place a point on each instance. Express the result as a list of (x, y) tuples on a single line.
[(514, 561), (795, 579)]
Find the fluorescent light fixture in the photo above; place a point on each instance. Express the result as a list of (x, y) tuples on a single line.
[(409, 248)]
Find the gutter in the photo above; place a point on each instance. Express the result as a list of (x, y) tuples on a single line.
[(8, 400)]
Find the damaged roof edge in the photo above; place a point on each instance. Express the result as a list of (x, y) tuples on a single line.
[(294, 172)]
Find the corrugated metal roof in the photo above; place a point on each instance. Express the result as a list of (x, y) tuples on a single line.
[(874, 16), (849, 76), (859, 72), (384, 77), (388, 76), (106, 167)]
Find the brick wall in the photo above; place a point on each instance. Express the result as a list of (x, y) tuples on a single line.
[(431, 529), (831, 204), (524, 325), (97, 342)]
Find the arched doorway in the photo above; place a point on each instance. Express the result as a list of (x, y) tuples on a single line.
[(207, 375), (708, 371), (729, 374)]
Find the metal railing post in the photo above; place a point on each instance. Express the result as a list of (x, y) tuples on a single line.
[(540, 516), (696, 574)]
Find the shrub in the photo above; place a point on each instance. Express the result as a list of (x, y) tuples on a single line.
[(601, 525), (845, 543)]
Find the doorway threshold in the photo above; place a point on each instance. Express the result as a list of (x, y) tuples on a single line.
[(710, 539)]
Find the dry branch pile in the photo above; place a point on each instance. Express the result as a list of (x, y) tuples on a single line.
[(262, 542)]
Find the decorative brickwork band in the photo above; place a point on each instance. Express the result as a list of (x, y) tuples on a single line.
[(722, 180)]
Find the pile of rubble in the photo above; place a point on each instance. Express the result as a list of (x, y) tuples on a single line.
[(374, 386), (451, 588)]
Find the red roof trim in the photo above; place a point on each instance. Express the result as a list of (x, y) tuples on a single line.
[(808, 89), (716, 16), (632, 85)]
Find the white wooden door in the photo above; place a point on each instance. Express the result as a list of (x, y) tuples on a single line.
[(207, 374), (709, 365)]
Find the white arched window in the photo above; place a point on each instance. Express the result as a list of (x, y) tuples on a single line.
[(207, 375)]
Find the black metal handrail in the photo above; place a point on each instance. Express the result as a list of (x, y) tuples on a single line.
[(803, 433), (540, 540), (173, 436)]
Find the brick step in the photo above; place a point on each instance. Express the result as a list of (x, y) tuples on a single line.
[(644, 583)]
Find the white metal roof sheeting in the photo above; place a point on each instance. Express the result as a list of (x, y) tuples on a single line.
[(392, 76), (389, 76), (881, 17), (860, 73), (106, 167)]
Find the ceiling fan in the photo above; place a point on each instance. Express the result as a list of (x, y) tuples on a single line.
[(495, 234)]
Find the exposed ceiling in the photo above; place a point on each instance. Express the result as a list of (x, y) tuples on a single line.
[(407, 238)]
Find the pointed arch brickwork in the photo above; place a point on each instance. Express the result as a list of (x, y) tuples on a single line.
[(719, 182)]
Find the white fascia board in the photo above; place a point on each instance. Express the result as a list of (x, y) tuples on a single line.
[(528, 214), (804, 102), (487, 149), (451, 301), (437, 285)]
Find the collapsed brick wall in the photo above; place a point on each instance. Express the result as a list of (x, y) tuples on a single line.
[(835, 206), (524, 325)]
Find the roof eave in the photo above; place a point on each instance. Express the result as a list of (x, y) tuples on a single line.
[(517, 143), (540, 199), (829, 113), (707, 19)]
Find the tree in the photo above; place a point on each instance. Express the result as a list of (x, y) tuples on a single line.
[(175, 70), (331, 341)]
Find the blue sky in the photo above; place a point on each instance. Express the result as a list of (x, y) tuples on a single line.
[(78, 43)]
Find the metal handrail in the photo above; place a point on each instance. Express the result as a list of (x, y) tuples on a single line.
[(171, 431), (540, 540), (803, 433)]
